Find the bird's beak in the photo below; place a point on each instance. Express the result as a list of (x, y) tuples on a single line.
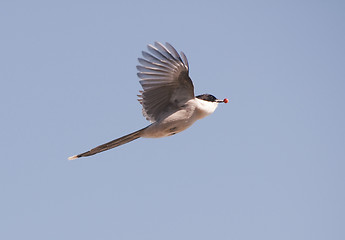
[(222, 101)]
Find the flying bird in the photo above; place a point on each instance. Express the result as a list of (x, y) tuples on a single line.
[(167, 97)]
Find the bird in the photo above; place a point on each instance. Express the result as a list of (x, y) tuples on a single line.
[(167, 97)]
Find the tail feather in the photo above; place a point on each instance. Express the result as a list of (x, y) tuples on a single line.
[(109, 145)]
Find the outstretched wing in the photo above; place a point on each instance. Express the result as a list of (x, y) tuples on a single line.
[(165, 81)]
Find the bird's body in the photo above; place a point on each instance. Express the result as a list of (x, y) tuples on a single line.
[(167, 98), (180, 120)]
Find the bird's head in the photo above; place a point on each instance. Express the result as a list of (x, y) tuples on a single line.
[(211, 98)]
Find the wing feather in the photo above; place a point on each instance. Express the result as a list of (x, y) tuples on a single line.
[(146, 63), (165, 81), (151, 69)]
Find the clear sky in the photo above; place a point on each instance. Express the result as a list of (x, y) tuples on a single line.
[(268, 165)]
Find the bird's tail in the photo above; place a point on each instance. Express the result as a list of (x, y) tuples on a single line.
[(109, 145)]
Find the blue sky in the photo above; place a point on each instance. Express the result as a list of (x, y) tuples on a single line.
[(268, 165)]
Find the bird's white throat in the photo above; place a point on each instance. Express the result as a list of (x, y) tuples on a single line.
[(205, 108)]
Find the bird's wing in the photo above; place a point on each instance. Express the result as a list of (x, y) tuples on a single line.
[(165, 81)]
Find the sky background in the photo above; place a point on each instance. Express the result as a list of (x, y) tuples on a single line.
[(268, 165)]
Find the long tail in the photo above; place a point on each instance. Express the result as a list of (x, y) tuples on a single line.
[(115, 143)]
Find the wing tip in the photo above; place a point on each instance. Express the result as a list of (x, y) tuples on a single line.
[(73, 157)]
